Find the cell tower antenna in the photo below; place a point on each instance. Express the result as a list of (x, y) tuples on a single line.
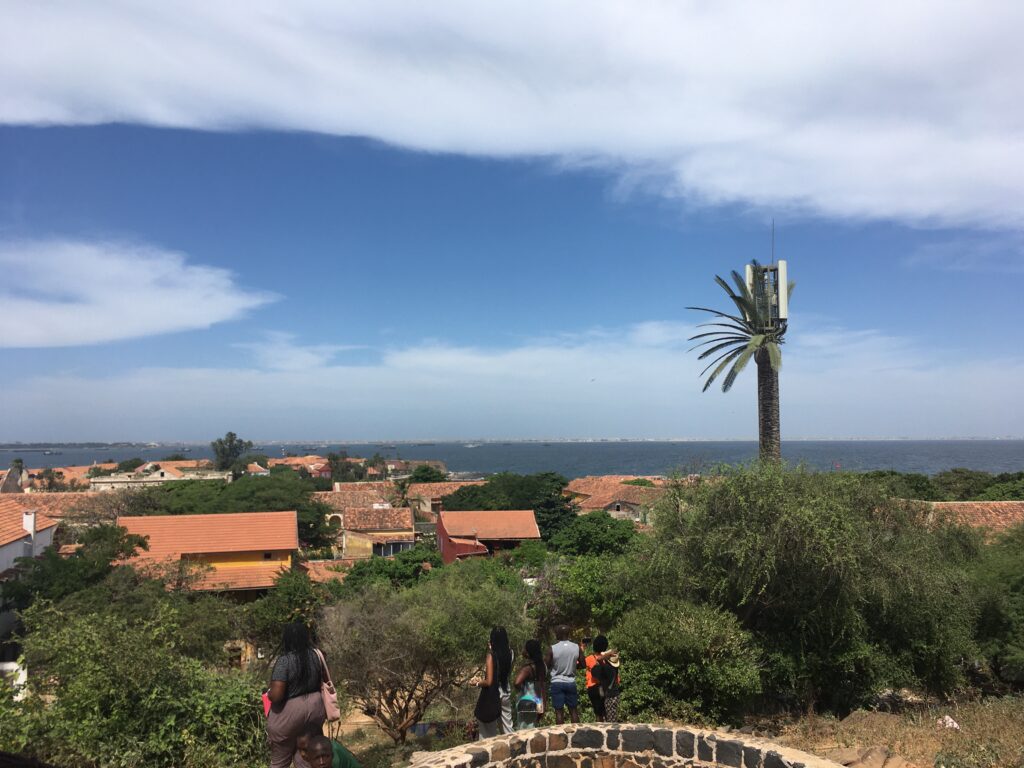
[(773, 239)]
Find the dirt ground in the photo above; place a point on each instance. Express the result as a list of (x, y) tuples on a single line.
[(990, 735)]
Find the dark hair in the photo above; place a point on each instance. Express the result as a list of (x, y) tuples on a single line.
[(502, 654), (296, 640), (533, 653), (561, 632), (319, 741), (600, 644)]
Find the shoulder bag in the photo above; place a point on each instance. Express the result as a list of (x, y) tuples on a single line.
[(327, 691)]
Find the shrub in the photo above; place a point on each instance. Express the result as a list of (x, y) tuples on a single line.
[(595, 533), (845, 588), (1000, 578), (680, 659)]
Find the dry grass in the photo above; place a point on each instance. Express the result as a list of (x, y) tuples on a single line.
[(991, 734)]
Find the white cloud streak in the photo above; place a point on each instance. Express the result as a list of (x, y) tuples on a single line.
[(907, 111), (637, 381), (278, 351), (58, 293)]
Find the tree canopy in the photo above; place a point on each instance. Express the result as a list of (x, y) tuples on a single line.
[(541, 492), (228, 449)]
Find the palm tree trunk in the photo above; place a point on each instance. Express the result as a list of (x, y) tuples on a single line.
[(769, 439)]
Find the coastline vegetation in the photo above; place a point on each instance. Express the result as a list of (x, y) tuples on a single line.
[(760, 591)]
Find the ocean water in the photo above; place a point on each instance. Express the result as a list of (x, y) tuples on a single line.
[(574, 459)]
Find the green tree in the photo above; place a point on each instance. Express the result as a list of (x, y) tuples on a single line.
[(407, 649), (541, 492), (425, 473), (847, 589), (905, 485), (129, 465), (751, 333), (402, 570), (294, 598), (175, 457), (684, 660), (594, 533), (1000, 578), (344, 471), (1008, 490), (961, 484), (229, 449), (52, 576), (641, 481)]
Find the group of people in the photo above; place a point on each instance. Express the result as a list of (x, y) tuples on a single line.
[(544, 676), (296, 714)]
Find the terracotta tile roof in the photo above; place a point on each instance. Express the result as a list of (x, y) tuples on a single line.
[(372, 519), (507, 524), (468, 547), (390, 536), (595, 484), (626, 494), (356, 495), (435, 491), (995, 516), (297, 461), (322, 571), (11, 512), (254, 468), (257, 576), (72, 474), (171, 536), (55, 505)]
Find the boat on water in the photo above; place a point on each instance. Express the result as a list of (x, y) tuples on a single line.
[(471, 445)]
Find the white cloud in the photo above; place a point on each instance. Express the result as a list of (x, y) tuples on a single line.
[(279, 352), (836, 383), (904, 110), (58, 293)]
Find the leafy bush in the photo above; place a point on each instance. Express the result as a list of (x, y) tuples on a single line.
[(960, 484), (681, 659), (1008, 490), (530, 555), (402, 570), (119, 692), (1000, 578), (906, 485), (595, 533), (846, 589)]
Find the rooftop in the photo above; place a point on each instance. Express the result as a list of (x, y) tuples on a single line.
[(171, 536), (491, 525)]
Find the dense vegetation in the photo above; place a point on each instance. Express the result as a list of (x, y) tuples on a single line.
[(761, 590)]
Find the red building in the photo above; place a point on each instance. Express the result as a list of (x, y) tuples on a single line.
[(477, 533)]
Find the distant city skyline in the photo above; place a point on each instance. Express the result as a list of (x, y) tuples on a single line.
[(450, 223)]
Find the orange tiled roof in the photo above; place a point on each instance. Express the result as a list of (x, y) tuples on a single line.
[(434, 491), (628, 494), (297, 461), (594, 484), (257, 576), (77, 474), (255, 468), (508, 524), (322, 571), (995, 516), (371, 519), (11, 512), (356, 495), (171, 536), (55, 505)]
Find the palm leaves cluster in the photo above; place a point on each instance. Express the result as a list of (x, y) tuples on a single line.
[(746, 332)]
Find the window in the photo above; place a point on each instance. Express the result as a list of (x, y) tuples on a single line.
[(618, 507), (268, 555)]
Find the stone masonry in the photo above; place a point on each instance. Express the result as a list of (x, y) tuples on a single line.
[(605, 745)]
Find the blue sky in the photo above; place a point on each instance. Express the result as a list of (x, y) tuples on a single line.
[(320, 223)]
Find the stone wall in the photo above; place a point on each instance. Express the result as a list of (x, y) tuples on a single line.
[(619, 746)]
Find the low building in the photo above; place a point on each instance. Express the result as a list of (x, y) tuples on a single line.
[(312, 465), (154, 474), (365, 494), (425, 498), (376, 531), (475, 533), (24, 532), (618, 495), (243, 551)]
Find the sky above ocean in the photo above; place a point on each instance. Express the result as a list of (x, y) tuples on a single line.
[(437, 221)]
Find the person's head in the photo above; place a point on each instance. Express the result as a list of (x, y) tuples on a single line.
[(319, 752), (536, 656), (296, 637), (600, 644), (502, 653), (306, 738), (562, 632)]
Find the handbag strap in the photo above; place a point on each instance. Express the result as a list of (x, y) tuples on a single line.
[(323, 664)]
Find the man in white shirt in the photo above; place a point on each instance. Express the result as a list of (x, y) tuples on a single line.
[(563, 658)]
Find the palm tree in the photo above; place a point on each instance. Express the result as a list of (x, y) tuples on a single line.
[(754, 331)]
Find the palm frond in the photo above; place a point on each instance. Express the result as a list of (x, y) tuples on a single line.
[(710, 351), (741, 328), (739, 320), (728, 358), (720, 357), (723, 334), (738, 366), (774, 355)]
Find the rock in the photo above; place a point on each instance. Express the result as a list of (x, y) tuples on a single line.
[(844, 755), (872, 757)]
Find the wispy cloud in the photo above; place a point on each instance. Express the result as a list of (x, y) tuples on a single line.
[(618, 382), (58, 293), (906, 111), (279, 351), (980, 253)]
